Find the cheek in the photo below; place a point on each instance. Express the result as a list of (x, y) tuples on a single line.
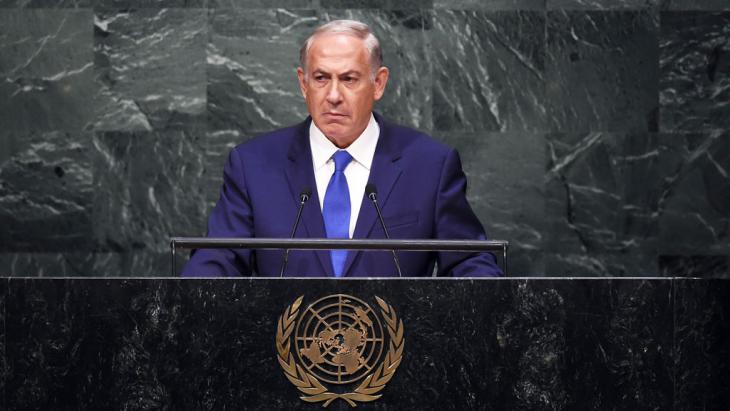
[(364, 103), (313, 99), (320, 96)]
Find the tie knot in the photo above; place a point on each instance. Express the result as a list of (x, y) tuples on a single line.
[(342, 158)]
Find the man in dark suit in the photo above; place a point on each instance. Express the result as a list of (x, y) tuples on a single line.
[(336, 152)]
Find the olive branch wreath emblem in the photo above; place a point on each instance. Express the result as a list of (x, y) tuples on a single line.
[(314, 391)]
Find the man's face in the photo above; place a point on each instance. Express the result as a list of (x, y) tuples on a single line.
[(338, 88)]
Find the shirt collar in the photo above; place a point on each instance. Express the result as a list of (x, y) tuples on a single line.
[(362, 149)]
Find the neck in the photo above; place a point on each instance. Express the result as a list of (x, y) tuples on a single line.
[(342, 144)]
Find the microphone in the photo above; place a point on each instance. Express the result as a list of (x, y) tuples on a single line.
[(303, 197), (372, 194)]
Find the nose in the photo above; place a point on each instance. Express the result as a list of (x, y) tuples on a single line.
[(334, 96)]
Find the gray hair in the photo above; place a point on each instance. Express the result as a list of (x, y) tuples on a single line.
[(350, 28)]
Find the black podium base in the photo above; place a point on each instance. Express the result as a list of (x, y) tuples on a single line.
[(468, 344)]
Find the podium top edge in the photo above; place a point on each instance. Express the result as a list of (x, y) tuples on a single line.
[(332, 244), (345, 279)]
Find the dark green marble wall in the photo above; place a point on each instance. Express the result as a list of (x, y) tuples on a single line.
[(594, 133)]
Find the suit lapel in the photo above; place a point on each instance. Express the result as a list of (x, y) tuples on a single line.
[(384, 173), (300, 174)]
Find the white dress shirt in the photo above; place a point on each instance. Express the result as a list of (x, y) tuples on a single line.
[(357, 171)]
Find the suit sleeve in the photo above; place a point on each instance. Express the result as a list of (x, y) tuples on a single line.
[(456, 220), (231, 217)]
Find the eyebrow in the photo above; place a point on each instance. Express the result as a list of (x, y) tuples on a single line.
[(347, 73)]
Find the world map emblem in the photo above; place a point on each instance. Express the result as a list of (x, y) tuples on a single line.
[(338, 348)]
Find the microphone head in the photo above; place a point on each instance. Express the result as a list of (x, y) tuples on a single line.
[(305, 193), (371, 191)]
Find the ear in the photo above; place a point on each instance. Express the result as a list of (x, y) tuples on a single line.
[(381, 79), (302, 82)]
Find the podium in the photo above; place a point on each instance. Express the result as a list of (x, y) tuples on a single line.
[(468, 344)]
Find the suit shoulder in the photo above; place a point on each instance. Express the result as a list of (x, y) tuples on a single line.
[(418, 141), (269, 144)]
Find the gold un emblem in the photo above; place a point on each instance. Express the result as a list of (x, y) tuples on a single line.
[(339, 340)]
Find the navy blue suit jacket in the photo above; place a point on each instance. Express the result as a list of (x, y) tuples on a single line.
[(421, 190)]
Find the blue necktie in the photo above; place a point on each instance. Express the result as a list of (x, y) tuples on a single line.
[(336, 209)]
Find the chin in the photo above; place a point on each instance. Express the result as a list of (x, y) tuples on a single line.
[(337, 136), (334, 131)]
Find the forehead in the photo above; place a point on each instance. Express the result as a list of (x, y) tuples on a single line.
[(337, 52)]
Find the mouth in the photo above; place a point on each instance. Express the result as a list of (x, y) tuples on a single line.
[(334, 115)]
